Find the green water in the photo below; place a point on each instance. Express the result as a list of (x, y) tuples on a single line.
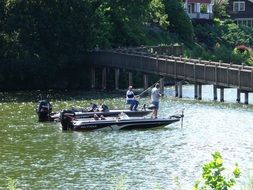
[(41, 156)]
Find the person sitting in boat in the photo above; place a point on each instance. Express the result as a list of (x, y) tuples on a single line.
[(93, 108), (103, 108), (130, 99)]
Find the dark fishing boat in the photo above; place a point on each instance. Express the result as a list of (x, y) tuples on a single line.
[(69, 122), (44, 112)]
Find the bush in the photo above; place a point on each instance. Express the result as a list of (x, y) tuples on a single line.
[(212, 175)]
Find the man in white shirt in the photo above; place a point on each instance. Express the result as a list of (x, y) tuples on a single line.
[(130, 99), (155, 96)]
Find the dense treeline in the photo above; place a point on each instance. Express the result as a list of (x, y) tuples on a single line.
[(43, 42)]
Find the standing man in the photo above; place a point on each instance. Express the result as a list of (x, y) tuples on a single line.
[(130, 99), (155, 96)]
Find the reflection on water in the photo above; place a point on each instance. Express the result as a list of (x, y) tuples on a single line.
[(41, 156)]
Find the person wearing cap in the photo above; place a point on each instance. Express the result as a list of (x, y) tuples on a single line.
[(130, 99), (155, 96)]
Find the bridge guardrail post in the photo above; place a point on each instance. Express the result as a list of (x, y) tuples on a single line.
[(238, 95), (175, 68), (228, 76), (204, 71), (251, 79), (246, 97), (194, 71), (216, 74), (214, 92), (184, 62), (239, 78)]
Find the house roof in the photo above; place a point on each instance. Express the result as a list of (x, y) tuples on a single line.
[(200, 1), (251, 1)]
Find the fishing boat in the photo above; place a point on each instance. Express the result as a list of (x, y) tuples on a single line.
[(69, 122), (44, 111)]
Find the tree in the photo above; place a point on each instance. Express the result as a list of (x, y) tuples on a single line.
[(158, 13), (220, 9), (179, 21)]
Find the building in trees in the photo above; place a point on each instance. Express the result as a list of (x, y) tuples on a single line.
[(241, 11), (199, 9)]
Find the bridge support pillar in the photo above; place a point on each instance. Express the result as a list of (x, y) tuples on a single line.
[(214, 92), (221, 94), (238, 98), (195, 91), (116, 79), (246, 97), (180, 89), (176, 90), (130, 79), (145, 81), (162, 85), (104, 78), (93, 77), (199, 92)]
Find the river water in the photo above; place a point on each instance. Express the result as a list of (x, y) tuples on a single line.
[(41, 156)]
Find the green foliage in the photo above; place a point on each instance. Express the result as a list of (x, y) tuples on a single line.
[(233, 34), (43, 39), (217, 41), (222, 53), (11, 184), (197, 51), (43, 43), (157, 13), (242, 57), (179, 21), (220, 9), (207, 34), (213, 177)]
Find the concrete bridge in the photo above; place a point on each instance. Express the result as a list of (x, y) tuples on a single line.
[(195, 71)]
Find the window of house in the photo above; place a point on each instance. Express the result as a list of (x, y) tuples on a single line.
[(239, 6)]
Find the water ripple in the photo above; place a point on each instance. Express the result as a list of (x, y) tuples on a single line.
[(41, 156)]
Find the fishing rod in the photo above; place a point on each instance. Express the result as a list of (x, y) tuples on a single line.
[(139, 95)]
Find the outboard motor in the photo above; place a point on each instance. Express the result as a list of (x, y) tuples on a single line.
[(44, 110), (66, 116)]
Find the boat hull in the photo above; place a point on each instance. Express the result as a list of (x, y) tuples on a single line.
[(114, 124)]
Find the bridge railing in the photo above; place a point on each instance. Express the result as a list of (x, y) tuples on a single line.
[(193, 70)]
